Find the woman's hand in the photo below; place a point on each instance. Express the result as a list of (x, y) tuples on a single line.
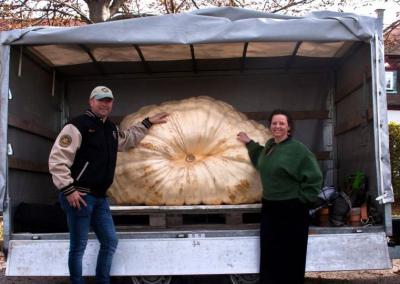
[(242, 137)]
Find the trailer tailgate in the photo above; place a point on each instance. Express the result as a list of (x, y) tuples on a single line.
[(197, 255)]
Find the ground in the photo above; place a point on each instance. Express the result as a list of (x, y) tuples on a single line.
[(391, 276)]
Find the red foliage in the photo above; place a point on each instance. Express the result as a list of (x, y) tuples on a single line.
[(9, 24)]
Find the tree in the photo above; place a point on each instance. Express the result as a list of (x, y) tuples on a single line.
[(102, 10), (22, 13), (392, 34)]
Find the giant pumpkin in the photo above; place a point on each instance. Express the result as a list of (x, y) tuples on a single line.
[(194, 158)]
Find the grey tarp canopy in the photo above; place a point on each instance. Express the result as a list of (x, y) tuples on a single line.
[(206, 26), (166, 38), (214, 25)]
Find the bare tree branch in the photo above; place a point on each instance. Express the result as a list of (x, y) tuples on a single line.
[(75, 8), (32, 11), (115, 6), (194, 4), (391, 27), (172, 6), (289, 5), (166, 6)]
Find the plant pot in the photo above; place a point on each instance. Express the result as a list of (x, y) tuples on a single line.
[(324, 217), (355, 216)]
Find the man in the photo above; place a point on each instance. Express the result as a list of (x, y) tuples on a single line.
[(82, 163)]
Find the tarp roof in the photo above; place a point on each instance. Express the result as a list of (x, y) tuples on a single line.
[(208, 34), (215, 25)]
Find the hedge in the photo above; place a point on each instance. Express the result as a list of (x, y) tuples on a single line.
[(394, 145)]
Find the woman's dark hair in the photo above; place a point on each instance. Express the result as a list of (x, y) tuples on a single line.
[(288, 118)]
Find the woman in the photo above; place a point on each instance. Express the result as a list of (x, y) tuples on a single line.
[(291, 180)]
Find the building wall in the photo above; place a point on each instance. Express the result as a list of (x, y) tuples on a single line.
[(392, 64), (394, 115)]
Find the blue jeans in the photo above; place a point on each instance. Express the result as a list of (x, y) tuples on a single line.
[(98, 215)]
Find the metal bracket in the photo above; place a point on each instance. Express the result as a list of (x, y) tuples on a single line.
[(191, 236), (196, 235), (10, 151), (386, 197)]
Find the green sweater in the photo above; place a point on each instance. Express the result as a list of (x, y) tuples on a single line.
[(288, 170)]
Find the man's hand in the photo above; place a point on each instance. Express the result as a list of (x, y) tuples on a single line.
[(242, 137), (75, 199), (159, 118)]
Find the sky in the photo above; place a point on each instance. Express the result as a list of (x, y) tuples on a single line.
[(392, 9), (364, 7)]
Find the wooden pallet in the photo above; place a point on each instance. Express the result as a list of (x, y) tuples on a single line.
[(198, 216)]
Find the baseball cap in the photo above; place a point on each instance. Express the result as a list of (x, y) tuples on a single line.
[(101, 92)]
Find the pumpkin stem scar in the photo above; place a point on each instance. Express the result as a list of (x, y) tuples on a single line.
[(190, 158)]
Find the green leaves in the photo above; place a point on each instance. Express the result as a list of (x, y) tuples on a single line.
[(394, 146)]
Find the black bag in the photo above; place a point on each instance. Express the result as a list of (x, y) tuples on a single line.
[(339, 206), (340, 209), (326, 196)]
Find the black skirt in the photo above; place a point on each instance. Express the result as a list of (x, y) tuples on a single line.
[(283, 241)]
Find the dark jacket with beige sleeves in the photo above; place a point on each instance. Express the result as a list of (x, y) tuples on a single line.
[(288, 170), (84, 154)]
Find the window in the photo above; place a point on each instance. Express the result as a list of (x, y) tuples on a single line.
[(391, 82)]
